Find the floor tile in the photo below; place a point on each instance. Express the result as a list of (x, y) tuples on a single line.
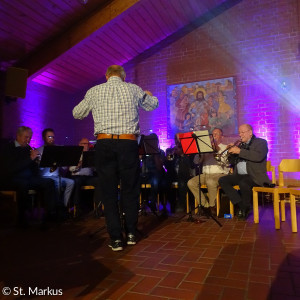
[(172, 260)]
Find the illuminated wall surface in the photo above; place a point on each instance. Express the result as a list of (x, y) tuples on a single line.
[(257, 42), (42, 108)]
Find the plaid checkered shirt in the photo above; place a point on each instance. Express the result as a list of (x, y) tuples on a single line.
[(115, 106)]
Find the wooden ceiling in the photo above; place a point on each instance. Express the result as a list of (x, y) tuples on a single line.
[(68, 45)]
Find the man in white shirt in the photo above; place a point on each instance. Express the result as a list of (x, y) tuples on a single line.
[(212, 170)]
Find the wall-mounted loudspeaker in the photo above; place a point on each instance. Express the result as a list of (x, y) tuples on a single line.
[(16, 82)]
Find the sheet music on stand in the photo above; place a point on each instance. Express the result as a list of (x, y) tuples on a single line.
[(196, 142)]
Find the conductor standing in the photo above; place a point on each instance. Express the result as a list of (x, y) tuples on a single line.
[(115, 108)]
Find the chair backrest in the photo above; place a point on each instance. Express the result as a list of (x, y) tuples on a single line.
[(287, 165), (271, 169)]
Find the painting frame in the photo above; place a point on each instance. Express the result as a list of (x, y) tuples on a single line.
[(205, 104)]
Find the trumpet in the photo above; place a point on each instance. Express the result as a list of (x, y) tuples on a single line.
[(38, 156), (224, 154)]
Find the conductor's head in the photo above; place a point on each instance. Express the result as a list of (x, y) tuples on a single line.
[(115, 70)]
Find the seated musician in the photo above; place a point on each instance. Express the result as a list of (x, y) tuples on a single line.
[(249, 161), (212, 170), (84, 176), (61, 183), (20, 172)]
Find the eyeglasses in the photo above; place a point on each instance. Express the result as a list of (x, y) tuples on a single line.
[(50, 137)]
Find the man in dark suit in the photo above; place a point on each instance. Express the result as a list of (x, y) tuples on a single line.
[(20, 172), (249, 161)]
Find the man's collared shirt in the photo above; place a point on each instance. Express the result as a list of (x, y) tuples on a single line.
[(242, 165), (211, 166), (17, 144), (114, 106)]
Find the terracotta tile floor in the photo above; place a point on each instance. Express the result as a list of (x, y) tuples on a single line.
[(178, 260)]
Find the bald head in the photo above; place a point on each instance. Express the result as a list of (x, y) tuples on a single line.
[(115, 70), (84, 142), (245, 132)]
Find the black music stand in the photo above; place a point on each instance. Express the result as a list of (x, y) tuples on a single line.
[(60, 156), (148, 145), (197, 142), (88, 159)]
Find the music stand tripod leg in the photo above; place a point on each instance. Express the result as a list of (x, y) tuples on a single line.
[(203, 145), (199, 207), (190, 213)]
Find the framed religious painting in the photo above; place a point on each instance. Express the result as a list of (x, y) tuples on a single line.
[(202, 105)]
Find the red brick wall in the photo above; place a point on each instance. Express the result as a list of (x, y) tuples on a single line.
[(257, 43)]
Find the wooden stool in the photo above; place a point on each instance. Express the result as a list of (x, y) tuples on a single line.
[(85, 188), (13, 194), (231, 206)]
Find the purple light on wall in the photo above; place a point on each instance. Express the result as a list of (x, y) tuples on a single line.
[(263, 113), (295, 134), (30, 113)]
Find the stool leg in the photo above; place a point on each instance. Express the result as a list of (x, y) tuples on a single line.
[(218, 201), (293, 213), (255, 207), (231, 208), (276, 210), (282, 206), (187, 203)]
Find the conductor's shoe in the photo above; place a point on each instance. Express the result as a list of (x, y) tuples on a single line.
[(116, 245), (131, 240)]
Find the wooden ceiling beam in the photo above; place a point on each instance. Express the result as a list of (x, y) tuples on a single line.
[(52, 49)]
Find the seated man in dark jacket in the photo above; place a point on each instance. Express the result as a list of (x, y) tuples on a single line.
[(249, 162), (20, 172)]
